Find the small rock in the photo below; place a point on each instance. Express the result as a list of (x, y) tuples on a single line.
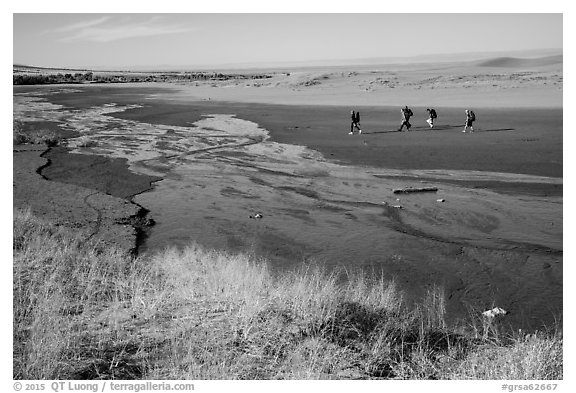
[(150, 222), (493, 313)]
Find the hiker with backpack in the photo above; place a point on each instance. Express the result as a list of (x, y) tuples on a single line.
[(355, 122), (431, 116), (470, 118), (406, 115)]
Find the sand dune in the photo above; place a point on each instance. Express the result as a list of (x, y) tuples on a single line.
[(440, 85), (511, 62)]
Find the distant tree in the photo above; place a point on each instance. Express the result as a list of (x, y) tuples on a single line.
[(29, 79)]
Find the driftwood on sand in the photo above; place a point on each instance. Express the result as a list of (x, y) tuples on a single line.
[(412, 189)]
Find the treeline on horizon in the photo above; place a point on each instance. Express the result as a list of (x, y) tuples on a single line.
[(90, 77)]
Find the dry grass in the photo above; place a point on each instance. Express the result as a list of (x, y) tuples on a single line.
[(46, 137), (536, 356), (81, 311)]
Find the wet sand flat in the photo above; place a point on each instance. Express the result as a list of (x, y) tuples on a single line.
[(326, 196), (522, 140), (103, 219), (513, 140)]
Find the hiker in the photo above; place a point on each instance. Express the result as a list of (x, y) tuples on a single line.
[(406, 114), (355, 122), (431, 116), (470, 118)]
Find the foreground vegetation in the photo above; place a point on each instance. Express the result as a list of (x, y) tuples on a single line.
[(85, 311)]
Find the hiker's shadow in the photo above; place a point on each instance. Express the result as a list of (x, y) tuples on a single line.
[(381, 132), (461, 126), (415, 129), (496, 130), (437, 128)]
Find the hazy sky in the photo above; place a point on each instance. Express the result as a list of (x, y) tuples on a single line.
[(125, 40)]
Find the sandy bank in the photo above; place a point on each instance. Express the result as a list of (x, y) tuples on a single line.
[(517, 97)]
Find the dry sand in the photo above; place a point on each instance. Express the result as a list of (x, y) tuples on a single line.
[(491, 83)]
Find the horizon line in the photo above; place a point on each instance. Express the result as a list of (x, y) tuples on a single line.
[(364, 61)]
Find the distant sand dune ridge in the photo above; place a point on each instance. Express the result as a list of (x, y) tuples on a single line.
[(517, 62)]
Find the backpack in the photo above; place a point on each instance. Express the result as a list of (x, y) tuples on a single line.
[(472, 116), (433, 114)]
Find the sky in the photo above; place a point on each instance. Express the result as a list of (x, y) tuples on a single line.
[(124, 40)]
